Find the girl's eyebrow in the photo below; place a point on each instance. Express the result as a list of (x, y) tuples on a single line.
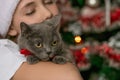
[(29, 4)]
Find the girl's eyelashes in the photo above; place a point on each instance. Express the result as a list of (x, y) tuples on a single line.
[(48, 1), (30, 12)]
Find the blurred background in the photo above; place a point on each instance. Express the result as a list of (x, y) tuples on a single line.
[(91, 29)]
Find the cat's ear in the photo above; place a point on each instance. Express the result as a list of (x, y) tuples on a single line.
[(24, 27), (25, 30), (54, 21)]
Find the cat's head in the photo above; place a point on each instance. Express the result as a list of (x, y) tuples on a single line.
[(42, 39)]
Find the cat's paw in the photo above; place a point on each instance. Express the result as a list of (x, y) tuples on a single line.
[(32, 59), (59, 60)]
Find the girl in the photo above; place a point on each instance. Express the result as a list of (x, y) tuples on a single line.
[(13, 65)]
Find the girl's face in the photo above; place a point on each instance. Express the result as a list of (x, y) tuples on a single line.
[(32, 11)]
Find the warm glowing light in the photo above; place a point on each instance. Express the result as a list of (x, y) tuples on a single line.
[(92, 2), (78, 39), (84, 50)]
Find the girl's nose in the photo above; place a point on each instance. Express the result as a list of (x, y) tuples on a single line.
[(47, 14)]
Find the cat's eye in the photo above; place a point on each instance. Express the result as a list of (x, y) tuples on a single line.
[(54, 43), (38, 45)]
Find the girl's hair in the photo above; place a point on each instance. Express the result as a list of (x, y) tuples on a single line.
[(1, 37)]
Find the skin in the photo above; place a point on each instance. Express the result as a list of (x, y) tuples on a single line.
[(36, 11), (32, 11), (47, 71)]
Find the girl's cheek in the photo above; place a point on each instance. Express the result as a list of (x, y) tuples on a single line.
[(54, 10)]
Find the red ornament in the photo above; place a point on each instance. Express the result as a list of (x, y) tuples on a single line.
[(97, 20), (115, 15), (79, 56), (25, 52), (110, 52)]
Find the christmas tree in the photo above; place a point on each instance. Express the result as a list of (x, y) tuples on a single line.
[(91, 29)]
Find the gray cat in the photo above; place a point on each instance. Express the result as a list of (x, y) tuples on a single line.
[(43, 40)]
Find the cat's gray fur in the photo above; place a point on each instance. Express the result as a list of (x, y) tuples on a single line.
[(47, 34)]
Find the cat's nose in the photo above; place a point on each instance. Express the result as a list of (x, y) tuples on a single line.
[(49, 52)]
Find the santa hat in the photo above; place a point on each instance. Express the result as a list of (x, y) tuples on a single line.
[(7, 8)]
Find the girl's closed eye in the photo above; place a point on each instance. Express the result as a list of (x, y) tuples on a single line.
[(30, 12), (48, 1)]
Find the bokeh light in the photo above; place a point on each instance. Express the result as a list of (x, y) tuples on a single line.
[(78, 39)]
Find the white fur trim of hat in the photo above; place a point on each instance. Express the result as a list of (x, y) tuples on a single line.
[(7, 8)]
